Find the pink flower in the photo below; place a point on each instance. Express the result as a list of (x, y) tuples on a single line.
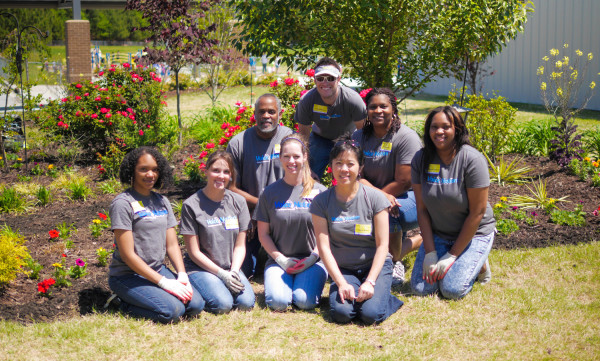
[(132, 116), (77, 97), (101, 73), (94, 116), (224, 125), (107, 115), (303, 92), (126, 65), (104, 110), (78, 86), (61, 117), (241, 110), (363, 93), (252, 120), (98, 99), (203, 154), (237, 118), (238, 103), (210, 145), (273, 84), (595, 212), (148, 126), (130, 110), (86, 94), (64, 100), (310, 73), (289, 81), (60, 124), (79, 262), (141, 132), (334, 182), (222, 141)]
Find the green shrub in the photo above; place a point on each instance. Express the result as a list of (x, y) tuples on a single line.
[(12, 201), (568, 218), (13, 254), (506, 226), (531, 138), (44, 196), (110, 186), (111, 161), (34, 268), (78, 189), (512, 172), (591, 141)]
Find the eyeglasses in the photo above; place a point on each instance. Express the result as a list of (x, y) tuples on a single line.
[(329, 78)]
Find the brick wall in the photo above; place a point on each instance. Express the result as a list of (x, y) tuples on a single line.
[(77, 41)]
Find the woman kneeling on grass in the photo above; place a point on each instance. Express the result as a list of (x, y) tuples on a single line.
[(451, 179), (214, 222), (144, 227), (351, 226), (285, 230)]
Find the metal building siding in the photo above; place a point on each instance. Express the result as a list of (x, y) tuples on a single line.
[(553, 23)]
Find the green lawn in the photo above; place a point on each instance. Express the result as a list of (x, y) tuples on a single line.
[(540, 304)]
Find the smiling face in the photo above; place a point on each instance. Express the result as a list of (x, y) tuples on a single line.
[(218, 175), (267, 116), (345, 168), (380, 111), (292, 159), (442, 132), (145, 175), (328, 90)]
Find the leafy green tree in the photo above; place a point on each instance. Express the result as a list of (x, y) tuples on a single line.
[(373, 37)]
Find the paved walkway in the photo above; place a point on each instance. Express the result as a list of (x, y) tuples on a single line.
[(47, 91)]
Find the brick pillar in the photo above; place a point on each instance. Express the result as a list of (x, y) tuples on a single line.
[(77, 39)]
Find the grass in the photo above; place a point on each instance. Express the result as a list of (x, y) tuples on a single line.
[(541, 304)]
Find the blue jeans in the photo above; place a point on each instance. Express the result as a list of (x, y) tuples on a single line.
[(376, 309), (461, 276), (407, 219), (251, 265), (142, 298), (319, 149), (303, 289), (218, 298)]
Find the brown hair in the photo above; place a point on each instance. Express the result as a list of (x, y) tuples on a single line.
[(221, 154), (307, 181)]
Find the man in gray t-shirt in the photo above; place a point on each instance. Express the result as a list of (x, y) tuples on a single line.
[(330, 109), (255, 154)]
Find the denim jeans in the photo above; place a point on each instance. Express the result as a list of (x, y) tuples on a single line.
[(319, 149), (142, 298), (407, 219), (461, 276), (303, 289), (217, 296), (376, 309), (253, 262)]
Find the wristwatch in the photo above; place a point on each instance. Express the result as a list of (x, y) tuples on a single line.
[(371, 282)]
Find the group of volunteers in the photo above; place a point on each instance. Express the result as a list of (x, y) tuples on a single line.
[(263, 213)]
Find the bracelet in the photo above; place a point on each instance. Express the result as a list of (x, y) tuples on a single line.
[(371, 282)]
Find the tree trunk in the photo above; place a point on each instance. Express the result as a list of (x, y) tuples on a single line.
[(178, 107)]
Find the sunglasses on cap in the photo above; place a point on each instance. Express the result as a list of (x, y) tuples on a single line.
[(322, 78)]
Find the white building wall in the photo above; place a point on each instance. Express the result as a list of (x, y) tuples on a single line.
[(552, 24)]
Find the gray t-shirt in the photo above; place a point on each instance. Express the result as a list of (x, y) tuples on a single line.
[(256, 160), (350, 225), (148, 218), (383, 154), (444, 191), (290, 223), (331, 121), (217, 225)]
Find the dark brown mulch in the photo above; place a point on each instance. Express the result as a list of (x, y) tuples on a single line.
[(20, 301)]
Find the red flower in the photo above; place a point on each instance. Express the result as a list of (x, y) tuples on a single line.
[(108, 115), (64, 100), (203, 154), (222, 141), (53, 233), (94, 116), (252, 120), (210, 145), (289, 81), (64, 255), (364, 92), (78, 86), (241, 110), (44, 286), (224, 125), (202, 166), (237, 118), (310, 72), (102, 216), (101, 73), (296, 127), (238, 103), (328, 169), (86, 94), (141, 132), (126, 65), (273, 84), (334, 182), (303, 92), (98, 99), (77, 97), (104, 110)]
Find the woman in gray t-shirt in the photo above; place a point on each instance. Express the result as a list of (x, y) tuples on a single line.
[(214, 222), (144, 227), (351, 226), (451, 179), (285, 230)]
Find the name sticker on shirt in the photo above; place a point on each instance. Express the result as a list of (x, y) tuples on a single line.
[(386, 146), (433, 169), (137, 206), (276, 148), (320, 109), (362, 229), (312, 194), (231, 223)]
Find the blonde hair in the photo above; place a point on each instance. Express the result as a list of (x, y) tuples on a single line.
[(307, 180)]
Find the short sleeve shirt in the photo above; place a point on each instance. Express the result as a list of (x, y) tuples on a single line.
[(290, 223), (331, 121), (444, 190), (256, 160), (383, 154), (350, 225), (148, 217), (217, 225)]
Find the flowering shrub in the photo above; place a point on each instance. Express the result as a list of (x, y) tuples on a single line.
[(289, 92), (99, 224), (60, 273), (103, 256), (79, 270), (584, 168), (568, 218), (125, 103), (44, 286), (13, 254)]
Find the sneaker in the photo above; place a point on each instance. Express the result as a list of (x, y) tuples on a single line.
[(398, 274), (113, 300), (485, 276)]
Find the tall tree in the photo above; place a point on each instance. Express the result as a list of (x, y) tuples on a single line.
[(175, 34), (372, 38)]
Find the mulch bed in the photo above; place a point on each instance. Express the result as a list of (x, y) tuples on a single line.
[(19, 301)]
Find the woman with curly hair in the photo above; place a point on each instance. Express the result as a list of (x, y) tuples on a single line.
[(214, 222), (451, 182), (144, 228), (389, 147)]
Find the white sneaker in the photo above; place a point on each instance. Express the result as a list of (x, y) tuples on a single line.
[(485, 277), (398, 274)]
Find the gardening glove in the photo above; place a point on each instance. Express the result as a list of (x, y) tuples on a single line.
[(303, 264), (429, 266), (182, 277), (175, 288), (285, 262), (443, 265), (231, 280)]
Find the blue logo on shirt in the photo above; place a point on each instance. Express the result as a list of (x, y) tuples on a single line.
[(438, 180), (342, 219), (266, 158), (291, 205), (375, 154), (146, 213)]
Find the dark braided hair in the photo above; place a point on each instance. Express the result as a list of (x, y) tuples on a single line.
[(368, 128), (127, 170)]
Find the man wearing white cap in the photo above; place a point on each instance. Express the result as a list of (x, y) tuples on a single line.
[(330, 109)]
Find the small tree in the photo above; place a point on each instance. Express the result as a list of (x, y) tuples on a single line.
[(562, 83), (175, 34)]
